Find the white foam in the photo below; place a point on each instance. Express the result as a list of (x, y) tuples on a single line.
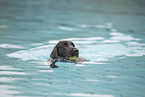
[(7, 90), (113, 76), (8, 79), (124, 38), (66, 28), (41, 47), (12, 73), (92, 80), (40, 63), (136, 54), (39, 54), (93, 63), (45, 70), (53, 41), (10, 46), (8, 68), (80, 65), (116, 33), (135, 43), (84, 42), (43, 66), (83, 95), (88, 95), (113, 30), (88, 39), (107, 25), (23, 55), (3, 26), (110, 41)]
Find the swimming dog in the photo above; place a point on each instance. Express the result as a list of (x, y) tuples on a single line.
[(64, 51)]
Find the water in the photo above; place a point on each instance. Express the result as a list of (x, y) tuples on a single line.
[(109, 34)]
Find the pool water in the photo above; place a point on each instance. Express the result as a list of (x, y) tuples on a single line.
[(109, 34)]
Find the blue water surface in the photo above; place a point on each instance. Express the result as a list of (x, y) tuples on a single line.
[(108, 33)]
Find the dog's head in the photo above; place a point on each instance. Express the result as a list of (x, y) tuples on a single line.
[(64, 49)]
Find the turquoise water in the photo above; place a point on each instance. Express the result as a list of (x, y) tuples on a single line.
[(109, 34)]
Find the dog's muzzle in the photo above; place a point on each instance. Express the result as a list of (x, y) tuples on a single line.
[(74, 52)]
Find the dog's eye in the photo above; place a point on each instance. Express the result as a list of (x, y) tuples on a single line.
[(72, 44)]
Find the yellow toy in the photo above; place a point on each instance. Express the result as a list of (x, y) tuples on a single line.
[(73, 58)]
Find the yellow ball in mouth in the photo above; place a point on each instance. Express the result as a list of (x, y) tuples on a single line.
[(73, 58)]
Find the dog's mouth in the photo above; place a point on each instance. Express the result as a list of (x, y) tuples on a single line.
[(72, 58), (72, 54)]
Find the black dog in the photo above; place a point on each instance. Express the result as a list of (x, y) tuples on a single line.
[(64, 51)]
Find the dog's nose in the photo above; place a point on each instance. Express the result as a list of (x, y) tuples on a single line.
[(75, 50)]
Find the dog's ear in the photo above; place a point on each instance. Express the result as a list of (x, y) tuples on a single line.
[(54, 53)]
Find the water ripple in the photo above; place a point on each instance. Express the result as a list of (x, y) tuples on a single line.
[(112, 66), (118, 45)]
